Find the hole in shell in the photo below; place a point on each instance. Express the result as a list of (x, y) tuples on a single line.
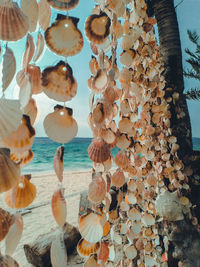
[(62, 113)]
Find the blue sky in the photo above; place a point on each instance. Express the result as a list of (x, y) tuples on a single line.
[(188, 18)]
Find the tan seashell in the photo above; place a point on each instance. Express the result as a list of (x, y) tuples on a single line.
[(97, 190), (58, 252), (125, 125), (125, 107), (39, 47), (21, 139), (5, 223), (118, 178), (14, 23), (63, 4), (121, 159), (58, 163), (31, 10), (86, 248), (127, 57), (58, 82), (91, 261), (60, 125), (31, 110), (97, 28), (98, 151), (59, 207), (102, 112), (127, 42), (90, 227), (22, 158), (148, 219), (14, 235), (63, 37), (134, 214), (9, 68), (8, 261), (44, 15), (100, 81), (123, 142), (118, 30), (110, 94), (10, 116), (108, 136), (94, 66), (125, 76), (22, 195), (130, 252)]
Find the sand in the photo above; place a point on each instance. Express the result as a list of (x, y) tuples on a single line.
[(40, 220)]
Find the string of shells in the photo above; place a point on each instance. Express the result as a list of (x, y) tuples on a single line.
[(149, 184)]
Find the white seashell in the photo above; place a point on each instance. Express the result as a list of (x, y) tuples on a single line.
[(14, 235), (24, 83), (115, 236), (134, 214), (10, 116), (124, 206), (9, 68), (150, 261), (111, 253), (130, 252), (123, 228), (136, 227), (58, 252), (148, 219)]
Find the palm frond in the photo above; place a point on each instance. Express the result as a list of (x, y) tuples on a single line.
[(193, 36), (191, 74), (193, 94), (195, 64), (193, 55)]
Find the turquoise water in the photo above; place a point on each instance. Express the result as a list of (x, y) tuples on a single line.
[(76, 155)]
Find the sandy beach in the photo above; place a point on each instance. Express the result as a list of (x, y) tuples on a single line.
[(40, 219)]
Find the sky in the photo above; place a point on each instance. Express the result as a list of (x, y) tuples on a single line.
[(188, 18)]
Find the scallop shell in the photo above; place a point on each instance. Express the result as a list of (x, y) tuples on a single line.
[(22, 195), (118, 178), (90, 227), (24, 82), (9, 171), (106, 228), (44, 15), (63, 4), (59, 83), (97, 190), (58, 163), (123, 142), (8, 261), (59, 207), (134, 214), (39, 47), (31, 110), (121, 160), (148, 219), (97, 28), (58, 252), (125, 125), (86, 248), (63, 37), (22, 158), (92, 261), (5, 223), (104, 252), (10, 116), (9, 68), (108, 136), (31, 10), (21, 139), (14, 235), (130, 252), (60, 125), (98, 151), (14, 23), (100, 81)]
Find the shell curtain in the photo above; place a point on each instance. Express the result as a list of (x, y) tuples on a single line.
[(129, 193)]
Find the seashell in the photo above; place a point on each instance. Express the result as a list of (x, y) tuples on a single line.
[(97, 190), (24, 82), (58, 82), (14, 235), (97, 28), (92, 261), (139, 244), (90, 227), (5, 223), (100, 81), (106, 228), (60, 125), (118, 30), (136, 227), (10, 116), (22, 195), (44, 15), (127, 57), (118, 178), (31, 110), (127, 42), (108, 164), (93, 65), (110, 94), (9, 171), (22, 158), (101, 111), (86, 248), (125, 76), (39, 47), (59, 207), (115, 236), (125, 125), (114, 215), (124, 206), (123, 142), (111, 255), (31, 10), (134, 214), (130, 252), (58, 252), (35, 76), (125, 107), (9, 68), (63, 4), (98, 151), (131, 198), (150, 261), (148, 247), (8, 261), (58, 162), (21, 139), (148, 219), (14, 23), (108, 136), (104, 252), (63, 37), (121, 160)]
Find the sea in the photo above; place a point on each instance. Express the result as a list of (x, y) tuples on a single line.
[(75, 158)]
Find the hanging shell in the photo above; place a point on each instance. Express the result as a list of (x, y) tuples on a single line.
[(24, 82), (9, 171), (39, 47), (118, 178), (104, 252), (31, 110), (14, 23), (14, 235), (63, 4), (22, 195), (63, 37), (58, 162), (86, 248), (31, 10), (97, 190), (59, 207), (97, 28), (10, 116), (121, 160), (9, 68), (58, 82), (98, 151), (58, 252), (6, 221), (22, 158), (60, 125), (8, 261), (44, 15), (29, 51)]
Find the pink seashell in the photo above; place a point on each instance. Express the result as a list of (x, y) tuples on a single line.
[(97, 190), (118, 178), (121, 160), (98, 151)]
